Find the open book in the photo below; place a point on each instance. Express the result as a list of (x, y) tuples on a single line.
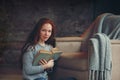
[(47, 55)]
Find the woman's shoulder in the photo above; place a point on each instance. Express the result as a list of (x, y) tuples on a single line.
[(31, 48), (49, 46)]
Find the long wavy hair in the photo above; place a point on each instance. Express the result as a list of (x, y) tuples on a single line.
[(34, 36)]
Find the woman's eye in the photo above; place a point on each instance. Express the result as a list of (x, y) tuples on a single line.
[(46, 30), (43, 30), (49, 31)]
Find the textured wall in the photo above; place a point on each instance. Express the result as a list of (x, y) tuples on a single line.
[(18, 17)]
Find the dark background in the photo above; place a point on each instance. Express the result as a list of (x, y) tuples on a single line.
[(72, 18)]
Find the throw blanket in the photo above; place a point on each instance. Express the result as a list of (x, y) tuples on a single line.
[(107, 23), (100, 58)]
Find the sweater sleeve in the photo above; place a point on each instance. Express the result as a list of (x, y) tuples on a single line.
[(27, 64)]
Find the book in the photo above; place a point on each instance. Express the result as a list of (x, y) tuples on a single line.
[(47, 55)]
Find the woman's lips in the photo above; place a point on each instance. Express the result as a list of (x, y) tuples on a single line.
[(46, 37)]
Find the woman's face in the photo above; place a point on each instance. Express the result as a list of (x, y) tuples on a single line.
[(45, 32)]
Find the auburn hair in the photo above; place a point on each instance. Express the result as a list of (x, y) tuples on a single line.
[(34, 36)]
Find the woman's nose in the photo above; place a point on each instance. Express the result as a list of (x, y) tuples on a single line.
[(47, 33)]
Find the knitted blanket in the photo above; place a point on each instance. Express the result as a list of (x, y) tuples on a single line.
[(105, 28), (100, 60), (107, 23)]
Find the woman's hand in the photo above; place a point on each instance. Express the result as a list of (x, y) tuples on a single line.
[(45, 64)]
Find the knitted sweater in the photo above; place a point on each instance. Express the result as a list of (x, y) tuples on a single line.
[(31, 72)]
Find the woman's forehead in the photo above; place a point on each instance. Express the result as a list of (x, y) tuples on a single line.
[(47, 25)]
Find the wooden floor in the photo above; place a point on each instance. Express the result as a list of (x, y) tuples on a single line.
[(10, 73), (10, 77)]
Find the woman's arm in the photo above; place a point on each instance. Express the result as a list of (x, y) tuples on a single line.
[(27, 64)]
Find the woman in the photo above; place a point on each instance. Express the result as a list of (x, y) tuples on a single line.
[(42, 37)]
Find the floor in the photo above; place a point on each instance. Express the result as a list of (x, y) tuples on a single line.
[(10, 73), (10, 77)]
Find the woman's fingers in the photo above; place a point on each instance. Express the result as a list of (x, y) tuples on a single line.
[(50, 63), (46, 64), (42, 62)]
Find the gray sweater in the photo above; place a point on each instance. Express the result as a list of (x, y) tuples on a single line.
[(31, 72)]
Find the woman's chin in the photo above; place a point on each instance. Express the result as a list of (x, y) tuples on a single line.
[(45, 39)]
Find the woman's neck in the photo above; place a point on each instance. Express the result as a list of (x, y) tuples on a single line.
[(42, 43)]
